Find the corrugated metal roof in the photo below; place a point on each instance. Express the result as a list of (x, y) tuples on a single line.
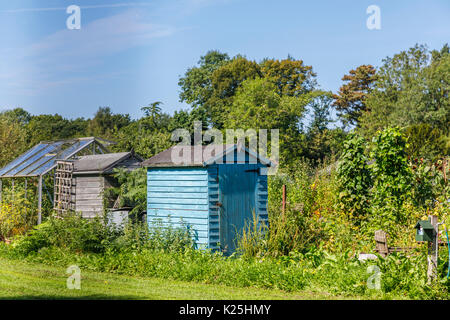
[(42, 158)]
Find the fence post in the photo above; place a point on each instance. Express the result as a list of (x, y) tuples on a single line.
[(40, 200), (433, 248)]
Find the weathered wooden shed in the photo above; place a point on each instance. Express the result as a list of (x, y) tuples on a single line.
[(80, 183), (215, 191), (41, 161)]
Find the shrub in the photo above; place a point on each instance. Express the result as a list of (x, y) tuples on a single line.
[(354, 178), (77, 234), (71, 232), (16, 213)]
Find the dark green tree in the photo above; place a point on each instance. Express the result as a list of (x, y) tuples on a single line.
[(105, 124), (412, 87)]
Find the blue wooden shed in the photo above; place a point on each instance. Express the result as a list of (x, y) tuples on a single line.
[(213, 189)]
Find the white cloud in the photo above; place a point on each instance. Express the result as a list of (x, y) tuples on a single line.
[(64, 57), (101, 37)]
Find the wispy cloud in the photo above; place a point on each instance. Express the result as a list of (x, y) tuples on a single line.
[(102, 37), (69, 57), (65, 57), (98, 6)]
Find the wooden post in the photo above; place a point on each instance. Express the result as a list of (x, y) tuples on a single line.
[(40, 200), (433, 248), (444, 169), (381, 243), (284, 198), (13, 191)]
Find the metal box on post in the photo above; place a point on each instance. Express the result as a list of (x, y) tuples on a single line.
[(424, 231)]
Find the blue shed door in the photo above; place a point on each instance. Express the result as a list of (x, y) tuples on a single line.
[(237, 185)]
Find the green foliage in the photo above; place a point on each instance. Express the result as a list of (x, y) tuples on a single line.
[(105, 124), (391, 174), (71, 232), (196, 86), (354, 177), (96, 235), (143, 138), (211, 86), (338, 274), (429, 183), (302, 226), (12, 140), (131, 190), (17, 212), (291, 76), (257, 105), (412, 88), (424, 141)]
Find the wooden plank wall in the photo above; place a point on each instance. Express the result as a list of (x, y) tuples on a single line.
[(179, 193), (89, 195)]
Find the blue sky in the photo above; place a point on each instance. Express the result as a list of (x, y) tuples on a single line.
[(130, 53)]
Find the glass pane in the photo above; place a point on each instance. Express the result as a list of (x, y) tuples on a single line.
[(22, 158), (30, 161), (31, 170), (76, 146)]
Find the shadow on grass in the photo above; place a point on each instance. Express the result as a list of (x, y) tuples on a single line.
[(81, 297)]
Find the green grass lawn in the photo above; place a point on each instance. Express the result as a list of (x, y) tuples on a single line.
[(23, 280)]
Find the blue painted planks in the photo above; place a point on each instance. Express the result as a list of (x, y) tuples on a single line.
[(152, 183), (176, 194), (181, 195), (178, 177), (179, 212), (177, 189), (176, 171), (165, 200), (216, 207), (152, 205)]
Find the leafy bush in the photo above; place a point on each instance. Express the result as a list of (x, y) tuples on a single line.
[(16, 213), (339, 274), (132, 190), (391, 173), (354, 178), (77, 234), (71, 232)]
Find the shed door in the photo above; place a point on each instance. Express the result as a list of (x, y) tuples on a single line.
[(237, 184)]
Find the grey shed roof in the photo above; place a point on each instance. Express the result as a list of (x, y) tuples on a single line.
[(200, 155), (104, 163), (42, 158)]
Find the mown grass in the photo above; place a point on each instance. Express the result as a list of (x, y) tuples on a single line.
[(216, 277), (27, 280)]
